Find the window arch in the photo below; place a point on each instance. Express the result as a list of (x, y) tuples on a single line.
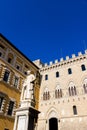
[(46, 94), (72, 89)]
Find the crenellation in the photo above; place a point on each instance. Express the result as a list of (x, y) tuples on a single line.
[(61, 59), (73, 55), (50, 63), (79, 53), (56, 61), (63, 62), (67, 57), (45, 64), (86, 52)]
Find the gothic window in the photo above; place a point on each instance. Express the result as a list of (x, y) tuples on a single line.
[(46, 77), (46, 94), (57, 74), (69, 91), (1, 100), (83, 67), (74, 110), (6, 76), (72, 89), (10, 108), (16, 81), (69, 71), (85, 88), (85, 85), (58, 92)]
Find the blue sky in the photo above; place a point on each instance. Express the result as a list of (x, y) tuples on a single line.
[(45, 29)]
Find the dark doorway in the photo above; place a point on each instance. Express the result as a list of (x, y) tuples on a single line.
[(53, 124)]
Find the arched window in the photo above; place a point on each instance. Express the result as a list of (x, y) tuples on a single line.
[(85, 86), (74, 110), (72, 89), (46, 94), (69, 91), (83, 67), (58, 92)]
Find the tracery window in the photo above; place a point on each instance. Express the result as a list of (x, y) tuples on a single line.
[(85, 86), (46, 94), (72, 89), (58, 92)]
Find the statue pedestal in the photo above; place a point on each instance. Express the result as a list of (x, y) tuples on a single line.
[(26, 118), (26, 114)]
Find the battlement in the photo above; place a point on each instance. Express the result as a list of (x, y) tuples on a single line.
[(63, 61)]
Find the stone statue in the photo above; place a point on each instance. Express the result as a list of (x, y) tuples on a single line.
[(28, 86)]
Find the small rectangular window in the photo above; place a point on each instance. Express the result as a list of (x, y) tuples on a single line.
[(10, 108), (74, 110), (46, 77), (57, 74), (69, 71), (83, 67)]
